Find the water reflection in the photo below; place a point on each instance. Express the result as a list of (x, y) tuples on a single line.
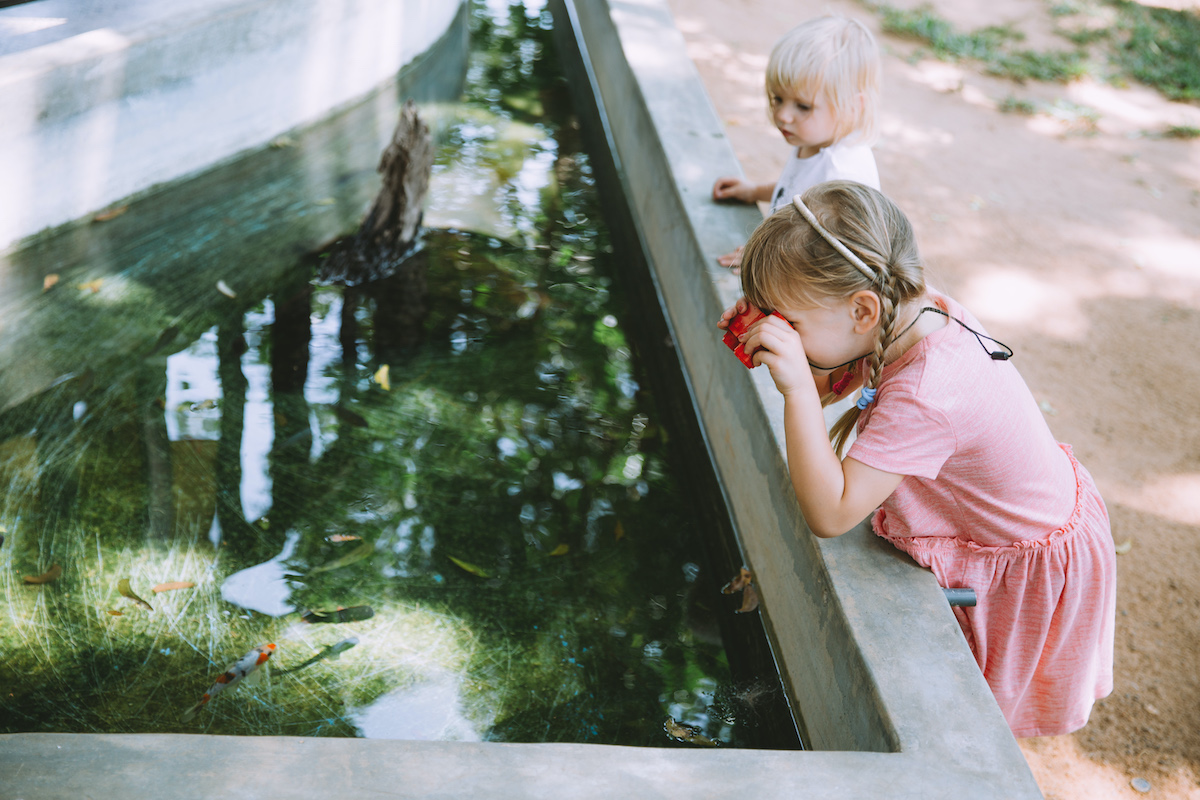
[(502, 500)]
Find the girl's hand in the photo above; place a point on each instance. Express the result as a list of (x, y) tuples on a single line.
[(736, 189), (777, 345), (740, 307)]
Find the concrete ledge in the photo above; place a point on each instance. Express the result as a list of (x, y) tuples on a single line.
[(867, 642), (50, 766), (102, 99)]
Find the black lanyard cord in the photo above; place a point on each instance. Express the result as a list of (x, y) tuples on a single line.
[(996, 355)]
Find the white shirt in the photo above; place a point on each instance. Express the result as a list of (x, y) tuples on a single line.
[(840, 161)]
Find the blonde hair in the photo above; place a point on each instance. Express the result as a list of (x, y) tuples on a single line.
[(837, 57), (787, 262)]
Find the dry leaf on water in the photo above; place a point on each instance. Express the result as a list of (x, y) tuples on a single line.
[(381, 377), (172, 585), (46, 577), (740, 581)]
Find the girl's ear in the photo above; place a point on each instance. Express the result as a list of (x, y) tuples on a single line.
[(866, 310)]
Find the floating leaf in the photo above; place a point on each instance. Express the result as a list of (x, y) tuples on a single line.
[(740, 581), (112, 213), (357, 554), (381, 377), (619, 531), (123, 588), (171, 586), (561, 550), (49, 281), (114, 612), (749, 600), (1124, 547), (224, 289), (46, 577), (91, 286), (686, 733), (342, 537), (351, 614), (471, 568)]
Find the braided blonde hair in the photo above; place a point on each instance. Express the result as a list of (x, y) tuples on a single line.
[(789, 262)]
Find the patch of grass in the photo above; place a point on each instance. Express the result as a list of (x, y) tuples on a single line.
[(1181, 132), (1016, 105), (994, 46), (1161, 48), (1023, 65)]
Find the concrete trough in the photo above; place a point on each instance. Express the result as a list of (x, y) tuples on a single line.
[(892, 702)]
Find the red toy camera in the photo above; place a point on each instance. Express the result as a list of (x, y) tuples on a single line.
[(739, 325)]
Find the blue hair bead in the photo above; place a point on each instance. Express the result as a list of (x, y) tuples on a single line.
[(868, 397)]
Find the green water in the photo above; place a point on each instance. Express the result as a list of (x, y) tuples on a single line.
[(472, 456)]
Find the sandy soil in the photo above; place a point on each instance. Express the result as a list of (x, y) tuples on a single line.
[(1075, 236)]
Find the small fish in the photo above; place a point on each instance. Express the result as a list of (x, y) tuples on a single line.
[(46, 577), (114, 612), (357, 554), (172, 585), (342, 537), (687, 733), (123, 588), (351, 614), (242, 668), (329, 651)]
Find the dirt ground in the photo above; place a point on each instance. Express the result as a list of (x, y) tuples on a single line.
[(1074, 234)]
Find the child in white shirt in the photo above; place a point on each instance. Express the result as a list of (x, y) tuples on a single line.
[(823, 84)]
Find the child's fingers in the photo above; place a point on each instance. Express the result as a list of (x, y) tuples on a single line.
[(733, 259), (740, 307), (725, 188)]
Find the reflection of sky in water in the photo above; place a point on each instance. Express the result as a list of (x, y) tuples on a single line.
[(428, 711), (194, 391), (324, 362), (259, 431), (262, 588)]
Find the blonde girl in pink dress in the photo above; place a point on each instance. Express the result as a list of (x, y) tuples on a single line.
[(952, 458)]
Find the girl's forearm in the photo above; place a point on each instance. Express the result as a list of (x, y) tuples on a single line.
[(763, 192), (815, 469)]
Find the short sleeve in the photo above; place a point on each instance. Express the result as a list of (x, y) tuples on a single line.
[(905, 435)]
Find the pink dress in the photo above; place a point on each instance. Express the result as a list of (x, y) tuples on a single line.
[(992, 502)]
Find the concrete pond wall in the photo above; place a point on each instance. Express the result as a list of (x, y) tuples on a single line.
[(892, 701)]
